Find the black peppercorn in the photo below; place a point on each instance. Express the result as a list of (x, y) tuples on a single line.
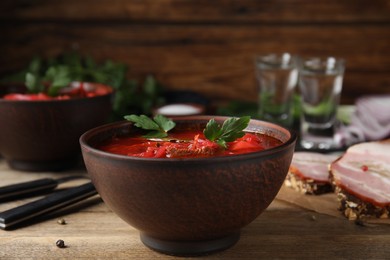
[(61, 221), (60, 243)]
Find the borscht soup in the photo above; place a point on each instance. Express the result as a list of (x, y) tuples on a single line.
[(186, 144), (74, 90)]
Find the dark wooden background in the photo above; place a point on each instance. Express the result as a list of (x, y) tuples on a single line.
[(202, 45)]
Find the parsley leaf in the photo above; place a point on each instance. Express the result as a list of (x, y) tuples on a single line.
[(59, 76), (164, 123), (230, 130), (52, 74), (33, 83), (159, 125), (212, 130)]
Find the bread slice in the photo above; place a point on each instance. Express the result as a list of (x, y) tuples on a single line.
[(361, 178), (309, 173)]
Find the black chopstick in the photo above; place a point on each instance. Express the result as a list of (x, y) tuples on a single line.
[(49, 203), (32, 188)]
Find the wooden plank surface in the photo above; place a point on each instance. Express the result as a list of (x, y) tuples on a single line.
[(275, 11), (92, 231), (217, 62), (204, 46)]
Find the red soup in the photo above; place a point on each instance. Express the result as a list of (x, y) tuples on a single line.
[(75, 90), (187, 144)]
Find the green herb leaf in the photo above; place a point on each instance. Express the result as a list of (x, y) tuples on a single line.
[(159, 125), (230, 130), (33, 83), (164, 123), (155, 134), (212, 130), (131, 97), (143, 122), (59, 76), (35, 65)]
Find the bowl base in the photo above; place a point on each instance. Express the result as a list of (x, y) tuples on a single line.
[(190, 248), (33, 166)]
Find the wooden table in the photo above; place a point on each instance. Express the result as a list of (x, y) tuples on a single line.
[(92, 231)]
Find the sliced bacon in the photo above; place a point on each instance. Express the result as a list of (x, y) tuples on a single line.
[(364, 171), (311, 165)]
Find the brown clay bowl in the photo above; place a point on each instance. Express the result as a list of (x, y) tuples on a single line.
[(44, 135), (188, 206)]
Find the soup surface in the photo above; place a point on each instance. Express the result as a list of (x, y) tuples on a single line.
[(186, 145)]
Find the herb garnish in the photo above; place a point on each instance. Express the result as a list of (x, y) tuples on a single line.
[(160, 125), (51, 74), (230, 130)]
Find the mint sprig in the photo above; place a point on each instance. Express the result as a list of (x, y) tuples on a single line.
[(230, 130), (158, 126)]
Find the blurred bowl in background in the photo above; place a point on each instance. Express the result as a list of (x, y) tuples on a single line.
[(42, 135)]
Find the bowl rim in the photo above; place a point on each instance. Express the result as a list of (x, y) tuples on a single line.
[(267, 152)]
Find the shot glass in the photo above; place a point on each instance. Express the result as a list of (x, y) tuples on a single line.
[(320, 85), (277, 76)]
